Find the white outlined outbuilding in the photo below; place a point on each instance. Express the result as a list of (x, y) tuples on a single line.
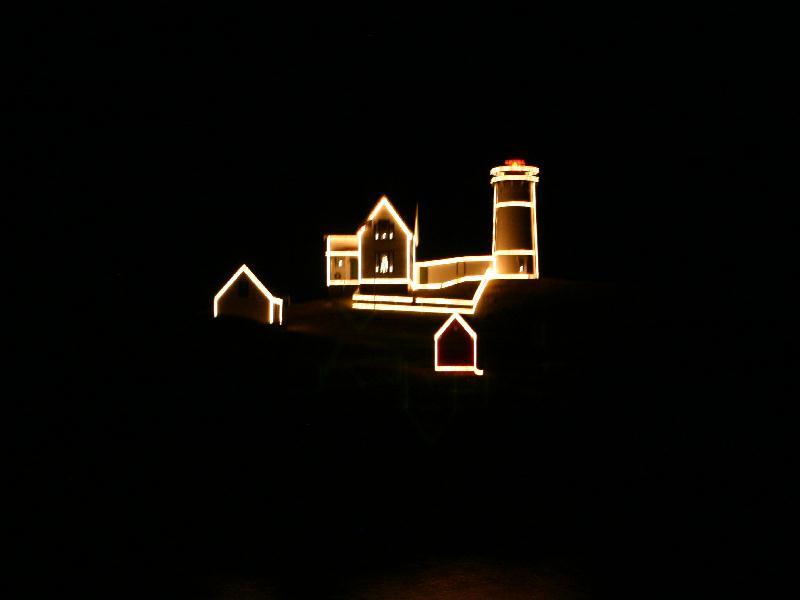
[(455, 347), (245, 296)]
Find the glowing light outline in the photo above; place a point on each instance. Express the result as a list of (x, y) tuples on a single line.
[(384, 280), (279, 304), (515, 276), (361, 301), (535, 232), (384, 201), (515, 252), (494, 218), (487, 277), (344, 282), (514, 178), (416, 227), (329, 253), (407, 308), (510, 203), (445, 301), (455, 259), (380, 298), (444, 284), (514, 168), (447, 261), (359, 234), (498, 175), (498, 172), (451, 368), (408, 258), (456, 368), (261, 287)]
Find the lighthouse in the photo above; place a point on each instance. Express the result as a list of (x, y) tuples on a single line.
[(515, 248)]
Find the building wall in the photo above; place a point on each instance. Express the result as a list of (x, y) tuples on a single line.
[(514, 228), (342, 268), (347, 270), (456, 347), (515, 264), (477, 267), (254, 305), (341, 242), (447, 272), (440, 273), (513, 190)]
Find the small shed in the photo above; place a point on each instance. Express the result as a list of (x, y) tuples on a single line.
[(455, 346), (245, 296)]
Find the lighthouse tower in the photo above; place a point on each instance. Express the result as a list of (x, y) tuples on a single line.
[(514, 243)]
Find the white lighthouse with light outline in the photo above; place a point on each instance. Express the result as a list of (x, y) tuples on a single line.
[(515, 248)]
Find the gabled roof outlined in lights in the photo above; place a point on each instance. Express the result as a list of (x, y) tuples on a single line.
[(454, 322), (384, 202), (272, 300)]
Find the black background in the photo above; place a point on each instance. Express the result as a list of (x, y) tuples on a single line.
[(153, 152)]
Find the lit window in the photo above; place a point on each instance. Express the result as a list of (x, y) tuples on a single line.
[(522, 261), (384, 229), (340, 262), (384, 262)]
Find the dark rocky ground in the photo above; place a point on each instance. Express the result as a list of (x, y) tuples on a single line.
[(623, 442)]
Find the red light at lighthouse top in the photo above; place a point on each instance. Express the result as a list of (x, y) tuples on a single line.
[(515, 162)]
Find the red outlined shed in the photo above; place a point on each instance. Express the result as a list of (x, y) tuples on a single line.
[(240, 301), (455, 346)]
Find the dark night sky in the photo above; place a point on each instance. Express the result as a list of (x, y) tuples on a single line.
[(153, 152), (162, 150)]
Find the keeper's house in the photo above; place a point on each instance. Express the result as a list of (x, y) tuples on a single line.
[(380, 265)]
